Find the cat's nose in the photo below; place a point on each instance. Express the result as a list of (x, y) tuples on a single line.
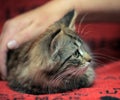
[(88, 58)]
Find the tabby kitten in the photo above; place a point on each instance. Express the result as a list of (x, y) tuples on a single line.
[(57, 61)]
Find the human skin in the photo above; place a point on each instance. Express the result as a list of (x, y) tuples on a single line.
[(30, 25)]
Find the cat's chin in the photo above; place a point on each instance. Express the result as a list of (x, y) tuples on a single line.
[(72, 78), (77, 70), (66, 76)]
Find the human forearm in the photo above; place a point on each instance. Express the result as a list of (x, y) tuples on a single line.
[(57, 8), (97, 5), (83, 6)]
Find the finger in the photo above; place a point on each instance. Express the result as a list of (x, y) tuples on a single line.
[(3, 51), (3, 64), (25, 35), (3, 72)]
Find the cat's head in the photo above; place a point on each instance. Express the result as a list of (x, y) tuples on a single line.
[(64, 52), (57, 60)]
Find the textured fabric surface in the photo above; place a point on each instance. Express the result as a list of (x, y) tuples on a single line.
[(103, 38), (107, 84)]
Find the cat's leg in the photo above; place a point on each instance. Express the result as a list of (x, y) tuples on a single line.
[(87, 78)]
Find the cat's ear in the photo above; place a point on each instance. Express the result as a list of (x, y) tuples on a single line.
[(69, 19)]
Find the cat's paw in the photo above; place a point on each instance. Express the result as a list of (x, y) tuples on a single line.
[(90, 76), (87, 78)]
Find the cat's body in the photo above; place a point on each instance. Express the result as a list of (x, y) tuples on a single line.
[(57, 61)]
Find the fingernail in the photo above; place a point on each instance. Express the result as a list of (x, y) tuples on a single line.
[(12, 44)]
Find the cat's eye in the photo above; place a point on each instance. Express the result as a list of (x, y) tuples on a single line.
[(76, 54)]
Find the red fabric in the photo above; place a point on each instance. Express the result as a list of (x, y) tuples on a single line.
[(107, 83), (103, 38)]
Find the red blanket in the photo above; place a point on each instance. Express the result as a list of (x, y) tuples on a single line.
[(107, 85), (104, 40)]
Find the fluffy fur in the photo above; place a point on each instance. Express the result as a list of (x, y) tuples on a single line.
[(57, 61)]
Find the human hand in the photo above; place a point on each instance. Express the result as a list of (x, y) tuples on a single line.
[(17, 31), (28, 26)]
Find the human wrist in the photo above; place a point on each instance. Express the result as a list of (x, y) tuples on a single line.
[(57, 9)]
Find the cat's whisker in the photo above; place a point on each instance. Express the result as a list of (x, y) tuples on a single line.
[(63, 75), (82, 32), (101, 59), (103, 56), (75, 73), (70, 84), (86, 33), (99, 50), (98, 62), (81, 21), (56, 79)]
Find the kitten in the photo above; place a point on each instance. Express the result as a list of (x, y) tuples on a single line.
[(57, 61)]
